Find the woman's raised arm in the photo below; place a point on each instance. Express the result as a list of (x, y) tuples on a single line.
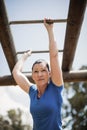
[(56, 72), (19, 77)]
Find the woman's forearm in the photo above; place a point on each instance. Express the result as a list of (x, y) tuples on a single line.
[(52, 44), (56, 73), (19, 77)]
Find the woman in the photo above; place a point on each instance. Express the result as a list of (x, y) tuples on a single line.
[(45, 94)]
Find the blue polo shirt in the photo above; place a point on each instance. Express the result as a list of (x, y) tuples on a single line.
[(46, 111)]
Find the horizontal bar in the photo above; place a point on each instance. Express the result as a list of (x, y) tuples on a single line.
[(77, 76), (38, 21), (43, 51)]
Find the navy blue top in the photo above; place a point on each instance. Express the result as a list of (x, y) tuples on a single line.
[(46, 111)]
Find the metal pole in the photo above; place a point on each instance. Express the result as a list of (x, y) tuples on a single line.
[(38, 21), (43, 51)]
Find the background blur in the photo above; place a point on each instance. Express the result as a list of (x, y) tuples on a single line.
[(34, 36)]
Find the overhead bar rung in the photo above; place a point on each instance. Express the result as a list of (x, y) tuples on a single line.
[(43, 51), (37, 21)]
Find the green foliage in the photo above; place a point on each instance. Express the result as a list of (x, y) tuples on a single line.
[(75, 111), (15, 116), (78, 104), (15, 119)]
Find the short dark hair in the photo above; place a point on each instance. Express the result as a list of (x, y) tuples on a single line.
[(41, 61)]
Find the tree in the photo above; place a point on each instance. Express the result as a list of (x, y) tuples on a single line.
[(4, 124), (77, 107), (15, 118), (15, 121)]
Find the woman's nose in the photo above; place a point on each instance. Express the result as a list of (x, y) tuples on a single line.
[(39, 73)]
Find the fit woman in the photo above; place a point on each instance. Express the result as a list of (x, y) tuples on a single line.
[(45, 94)]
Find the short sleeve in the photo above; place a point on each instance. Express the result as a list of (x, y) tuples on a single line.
[(58, 92), (58, 88), (32, 90)]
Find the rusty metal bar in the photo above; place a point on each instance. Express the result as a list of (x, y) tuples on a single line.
[(6, 38), (37, 21), (74, 76), (42, 51), (75, 19)]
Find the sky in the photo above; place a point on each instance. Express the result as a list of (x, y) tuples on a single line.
[(34, 36)]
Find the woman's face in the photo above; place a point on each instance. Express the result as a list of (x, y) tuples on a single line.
[(40, 74)]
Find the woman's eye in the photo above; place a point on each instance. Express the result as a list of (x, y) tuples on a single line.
[(39, 71), (43, 70), (35, 71)]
